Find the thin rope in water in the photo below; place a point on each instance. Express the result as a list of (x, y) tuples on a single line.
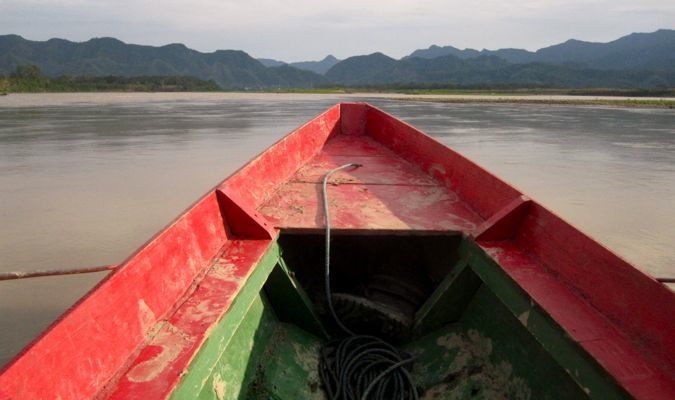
[(6, 276), (360, 365)]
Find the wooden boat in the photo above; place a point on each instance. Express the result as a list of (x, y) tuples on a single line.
[(498, 297)]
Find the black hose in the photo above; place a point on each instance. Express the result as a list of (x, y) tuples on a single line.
[(360, 367)]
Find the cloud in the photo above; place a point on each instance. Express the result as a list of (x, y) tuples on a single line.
[(305, 29)]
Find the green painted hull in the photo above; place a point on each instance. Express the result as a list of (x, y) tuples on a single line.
[(478, 336)]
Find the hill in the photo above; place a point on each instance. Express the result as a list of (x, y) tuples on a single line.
[(319, 67), (269, 62), (231, 69), (28, 78), (653, 51), (487, 71), (358, 70)]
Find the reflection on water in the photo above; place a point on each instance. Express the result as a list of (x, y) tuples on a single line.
[(85, 179)]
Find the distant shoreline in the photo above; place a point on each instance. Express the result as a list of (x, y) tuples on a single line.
[(624, 102), (27, 99)]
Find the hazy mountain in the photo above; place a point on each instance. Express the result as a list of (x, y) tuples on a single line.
[(320, 67), (510, 55), (269, 62), (361, 69), (437, 51), (654, 50), (231, 69), (378, 69)]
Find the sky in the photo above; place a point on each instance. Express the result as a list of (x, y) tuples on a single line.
[(295, 30)]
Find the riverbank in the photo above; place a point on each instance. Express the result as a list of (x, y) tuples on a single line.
[(37, 99), (28, 79), (611, 101), (613, 97)]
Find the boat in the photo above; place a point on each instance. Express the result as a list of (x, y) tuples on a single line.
[(481, 291)]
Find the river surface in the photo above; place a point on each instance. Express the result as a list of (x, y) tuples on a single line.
[(87, 178)]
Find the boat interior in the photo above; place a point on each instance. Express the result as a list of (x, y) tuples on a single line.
[(416, 291), (493, 295)]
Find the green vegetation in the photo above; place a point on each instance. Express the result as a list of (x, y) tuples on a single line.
[(28, 78), (582, 101), (486, 90), (230, 69), (488, 72)]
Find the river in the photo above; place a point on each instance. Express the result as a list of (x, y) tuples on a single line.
[(87, 178)]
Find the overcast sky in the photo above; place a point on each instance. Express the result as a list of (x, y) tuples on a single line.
[(294, 30)]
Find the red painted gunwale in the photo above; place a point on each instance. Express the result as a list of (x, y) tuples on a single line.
[(136, 332)]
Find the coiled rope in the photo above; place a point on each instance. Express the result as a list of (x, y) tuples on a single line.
[(360, 367)]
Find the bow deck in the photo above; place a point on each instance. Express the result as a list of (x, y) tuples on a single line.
[(385, 193)]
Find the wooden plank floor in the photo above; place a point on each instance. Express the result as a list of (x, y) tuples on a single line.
[(386, 193)]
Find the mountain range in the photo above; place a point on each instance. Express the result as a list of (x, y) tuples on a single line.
[(231, 69), (487, 71), (643, 60), (653, 51)]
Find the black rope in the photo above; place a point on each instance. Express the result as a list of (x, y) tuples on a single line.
[(360, 367)]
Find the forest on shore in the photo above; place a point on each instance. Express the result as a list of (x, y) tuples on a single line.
[(29, 78)]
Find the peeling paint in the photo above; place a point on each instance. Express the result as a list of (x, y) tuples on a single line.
[(494, 252), (435, 167), (308, 358), (450, 341), (466, 369), (145, 316), (524, 317), (219, 386), (224, 270), (416, 199), (170, 342)]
